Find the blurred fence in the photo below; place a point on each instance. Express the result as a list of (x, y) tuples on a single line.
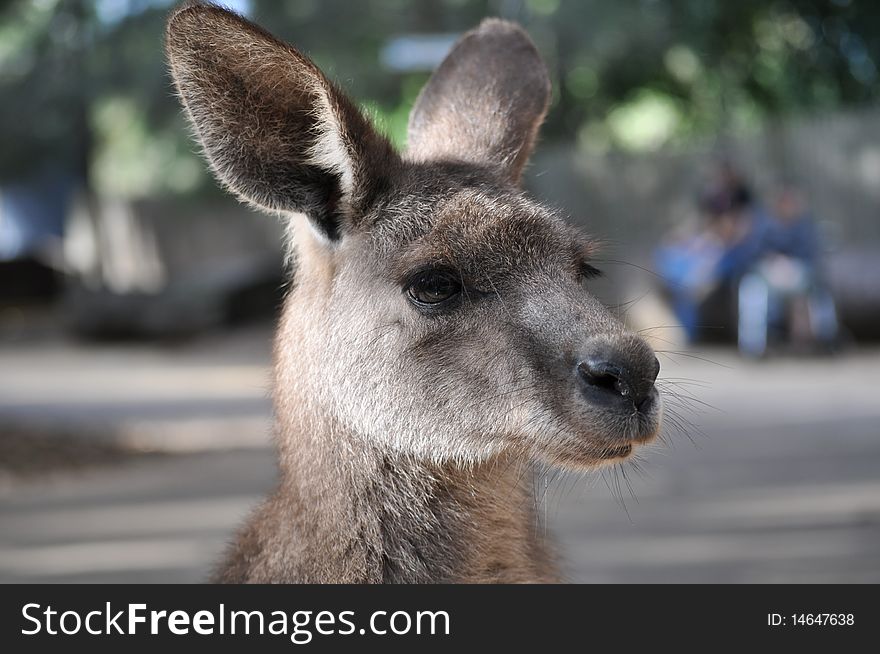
[(160, 267), (632, 199)]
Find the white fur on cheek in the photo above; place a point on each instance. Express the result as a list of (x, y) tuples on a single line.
[(353, 336)]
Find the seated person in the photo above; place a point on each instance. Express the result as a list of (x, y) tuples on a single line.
[(702, 266), (782, 291)]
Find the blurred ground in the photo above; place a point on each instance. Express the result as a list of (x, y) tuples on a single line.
[(782, 482)]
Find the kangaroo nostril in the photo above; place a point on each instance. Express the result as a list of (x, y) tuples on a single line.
[(603, 374), (604, 378)]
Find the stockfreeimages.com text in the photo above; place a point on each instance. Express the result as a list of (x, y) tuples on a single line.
[(300, 626)]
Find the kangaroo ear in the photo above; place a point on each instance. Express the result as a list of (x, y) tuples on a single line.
[(485, 102), (275, 131)]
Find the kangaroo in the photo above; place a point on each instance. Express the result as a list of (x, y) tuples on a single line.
[(439, 337)]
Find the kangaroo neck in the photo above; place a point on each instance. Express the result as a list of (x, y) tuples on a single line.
[(386, 517)]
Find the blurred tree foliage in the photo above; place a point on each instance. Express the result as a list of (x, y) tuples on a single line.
[(83, 85)]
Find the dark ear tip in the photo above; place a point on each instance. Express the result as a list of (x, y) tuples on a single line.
[(509, 35), (194, 10), (194, 20), (187, 7), (182, 14), (514, 36), (499, 26)]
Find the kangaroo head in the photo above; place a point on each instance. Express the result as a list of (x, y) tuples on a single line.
[(437, 311)]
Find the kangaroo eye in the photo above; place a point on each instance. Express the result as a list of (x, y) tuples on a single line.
[(433, 288)]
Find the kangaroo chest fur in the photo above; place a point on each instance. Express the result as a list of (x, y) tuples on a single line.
[(393, 520)]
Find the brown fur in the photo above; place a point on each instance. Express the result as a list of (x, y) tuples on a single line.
[(406, 431)]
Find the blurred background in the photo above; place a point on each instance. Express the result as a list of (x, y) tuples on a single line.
[(727, 155)]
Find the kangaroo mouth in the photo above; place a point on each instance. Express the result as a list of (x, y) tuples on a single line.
[(615, 437), (645, 431)]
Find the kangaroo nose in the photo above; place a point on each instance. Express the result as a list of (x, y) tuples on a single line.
[(611, 376)]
